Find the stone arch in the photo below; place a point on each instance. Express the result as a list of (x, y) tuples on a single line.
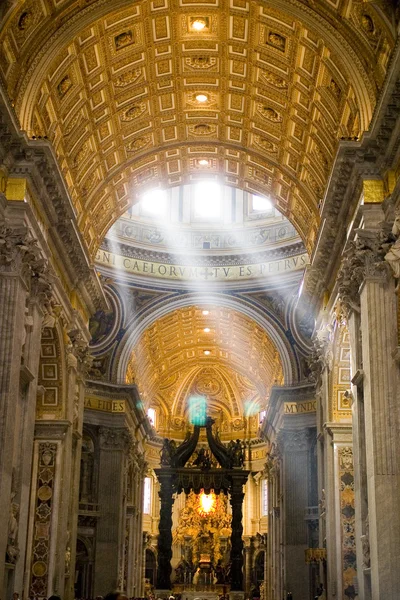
[(139, 324), (99, 201), (84, 567), (150, 565)]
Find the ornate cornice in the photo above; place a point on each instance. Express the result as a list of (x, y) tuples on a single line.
[(354, 162), (125, 249), (35, 161), (20, 253)]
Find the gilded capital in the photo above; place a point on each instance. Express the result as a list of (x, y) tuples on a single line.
[(364, 259)]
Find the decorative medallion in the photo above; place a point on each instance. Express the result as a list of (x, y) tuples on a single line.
[(273, 79), (64, 85), (276, 40), (138, 144), (128, 78), (133, 112), (367, 23), (82, 154), (25, 20), (200, 62), (266, 144), (335, 89), (202, 129), (270, 113), (124, 39)]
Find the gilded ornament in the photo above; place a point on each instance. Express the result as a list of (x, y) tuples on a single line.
[(266, 144), (367, 23), (199, 24), (335, 89), (133, 112), (39, 568), (64, 85), (138, 144), (72, 124), (277, 40), (25, 20), (128, 78), (123, 39), (202, 129), (200, 62), (82, 154), (271, 114), (274, 80)]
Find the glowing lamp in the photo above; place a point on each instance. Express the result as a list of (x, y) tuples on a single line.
[(201, 98), (198, 24), (207, 503)]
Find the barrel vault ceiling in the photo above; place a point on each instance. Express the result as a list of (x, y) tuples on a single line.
[(222, 355), (114, 86)]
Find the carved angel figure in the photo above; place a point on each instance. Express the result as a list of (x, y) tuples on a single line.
[(167, 452), (393, 255)]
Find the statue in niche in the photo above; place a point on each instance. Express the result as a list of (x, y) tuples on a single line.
[(67, 571), (220, 572), (365, 545), (236, 454), (393, 255), (167, 452), (203, 459), (12, 551), (87, 471)]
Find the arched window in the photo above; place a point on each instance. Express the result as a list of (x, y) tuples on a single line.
[(147, 495)]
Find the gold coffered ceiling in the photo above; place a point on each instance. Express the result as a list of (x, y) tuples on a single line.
[(170, 364), (115, 86)]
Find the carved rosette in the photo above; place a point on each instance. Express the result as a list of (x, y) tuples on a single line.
[(364, 259)]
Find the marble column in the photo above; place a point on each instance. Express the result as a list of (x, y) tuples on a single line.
[(22, 265), (367, 286), (359, 456), (236, 500), (114, 443), (164, 542), (341, 549), (295, 453), (274, 572), (379, 342), (31, 355), (46, 508), (75, 406), (248, 552)]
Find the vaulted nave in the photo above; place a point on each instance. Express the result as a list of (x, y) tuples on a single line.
[(199, 307)]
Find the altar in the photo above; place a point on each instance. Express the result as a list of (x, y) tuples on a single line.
[(194, 594), (209, 535)]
